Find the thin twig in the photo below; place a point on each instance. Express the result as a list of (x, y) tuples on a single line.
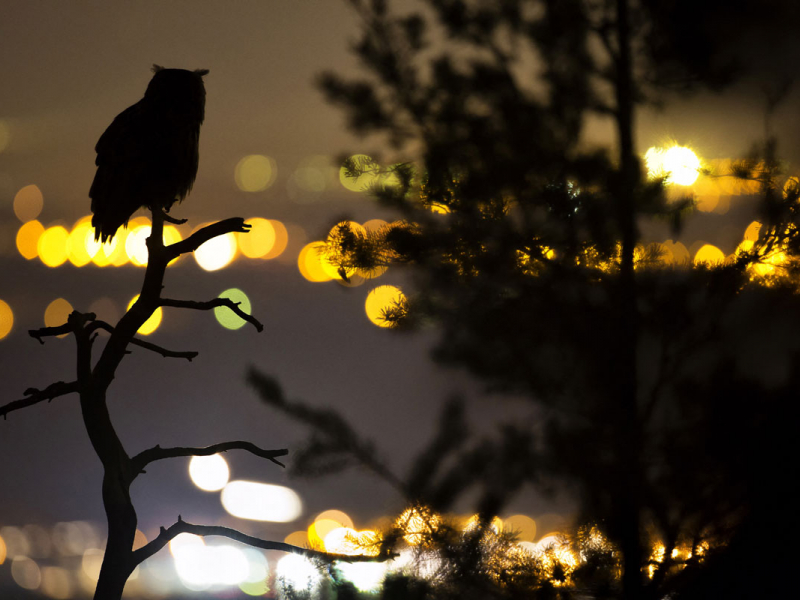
[(144, 458), (34, 396), (215, 303), (188, 355), (199, 237)]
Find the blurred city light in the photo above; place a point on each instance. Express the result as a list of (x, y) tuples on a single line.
[(28, 239), (255, 173), (261, 501), (217, 252), (6, 319), (152, 323), (28, 203), (225, 316), (379, 300), (209, 473)]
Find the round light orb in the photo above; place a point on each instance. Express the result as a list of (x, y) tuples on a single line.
[(209, 473)]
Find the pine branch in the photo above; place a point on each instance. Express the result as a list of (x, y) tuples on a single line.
[(34, 396), (144, 458), (215, 303), (166, 535)]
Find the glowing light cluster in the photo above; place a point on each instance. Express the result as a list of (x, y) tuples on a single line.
[(418, 524), (201, 566), (261, 501), (677, 164)]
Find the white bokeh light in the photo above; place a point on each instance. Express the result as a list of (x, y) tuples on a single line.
[(209, 473), (261, 501), (216, 253)]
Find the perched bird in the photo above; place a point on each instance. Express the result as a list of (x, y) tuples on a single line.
[(148, 155)]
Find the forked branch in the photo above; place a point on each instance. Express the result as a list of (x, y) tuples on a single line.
[(144, 458), (211, 304), (199, 237), (34, 396), (164, 537)]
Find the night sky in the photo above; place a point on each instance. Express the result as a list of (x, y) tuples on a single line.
[(66, 69)]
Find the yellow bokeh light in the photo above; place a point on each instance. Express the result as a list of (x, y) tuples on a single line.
[(522, 525), (57, 313), (281, 240), (225, 316), (77, 251), (2, 551), (52, 246), (259, 241), (209, 473), (417, 525), (677, 164), (91, 562), (366, 179), (752, 231), (339, 516), (297, 538), (676, 253), (319, 529), (28, 203), (709, 255), (379, 300), (255, 173), (216, 253), (333, 236), (6, 323), (152, 323), (310, 262), (28, 239), (136, 245), (110, 253)]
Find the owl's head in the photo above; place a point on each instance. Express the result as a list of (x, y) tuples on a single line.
[(180, 89)]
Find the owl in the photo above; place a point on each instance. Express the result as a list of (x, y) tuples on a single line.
[(148, 156)]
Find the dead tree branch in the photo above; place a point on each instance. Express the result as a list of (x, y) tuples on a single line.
[(199, 237), (166, 535), (144, 458), (188, 355), (34, 396), (215, 303)]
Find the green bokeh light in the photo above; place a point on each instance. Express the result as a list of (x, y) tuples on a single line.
[(226, 317)]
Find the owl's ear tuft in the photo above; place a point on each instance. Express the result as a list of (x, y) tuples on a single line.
[(201, 72), (157, 68)]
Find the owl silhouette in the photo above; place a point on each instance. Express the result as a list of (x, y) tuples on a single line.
[(148, 156)]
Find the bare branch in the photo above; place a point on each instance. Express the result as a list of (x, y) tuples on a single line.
[(144, 458), (49, 332), (210, 304), (164, 537), (188, 355), (34, 396), (194, 241)]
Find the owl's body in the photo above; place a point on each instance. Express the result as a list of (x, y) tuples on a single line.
[(148, 156)]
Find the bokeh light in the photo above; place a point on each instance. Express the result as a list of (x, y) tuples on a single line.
[(522, 525), (417, 525), (200, 566), (297, 572), (225, 316), (255, 173), (91, 562), (6, 319), (28, 203), (297, 538), (152, 323), (110, 253), (261, 501), (752, 231), (319, 530), (26, 572), (368, 169), (259, 241), (380, 299), (678, 164), (52, 246), (3, 552), (28, 239), (339, 516), (709, 255), (367, 577), (136, 244), (677, 253), (77, 242), (216, 253), (57, 313), (310, 261), (281, 240), (57, 583), (209, 473)]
